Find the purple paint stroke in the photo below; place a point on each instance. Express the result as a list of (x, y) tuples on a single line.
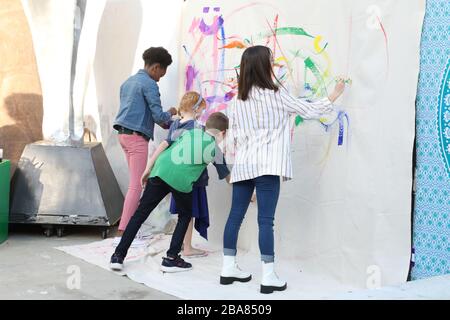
[(211, 29), (217, 9), (218, 99), (191, 74), (229, 96), (205, 9), (222, 57)]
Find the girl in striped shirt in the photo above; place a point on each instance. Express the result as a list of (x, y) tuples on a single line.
[(259, 134)]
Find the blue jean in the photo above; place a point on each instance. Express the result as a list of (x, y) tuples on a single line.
[(267, 193)]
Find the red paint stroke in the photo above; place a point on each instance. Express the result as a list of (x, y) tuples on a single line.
[(271, 36), (386, 40), (281, 50), (275, 27), (235, 44)]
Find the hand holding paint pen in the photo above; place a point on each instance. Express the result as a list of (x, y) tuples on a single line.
[(346, 80), (339, 88)]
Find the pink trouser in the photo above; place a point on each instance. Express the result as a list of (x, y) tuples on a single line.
[(136, 152)]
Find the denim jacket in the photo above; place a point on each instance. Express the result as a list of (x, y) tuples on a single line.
[(140, 105)]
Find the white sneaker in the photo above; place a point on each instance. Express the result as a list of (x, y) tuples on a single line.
[(270, 281), (231, 272)]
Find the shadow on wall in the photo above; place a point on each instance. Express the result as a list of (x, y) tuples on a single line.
[(118, 38), (21, 109), (26, 111)]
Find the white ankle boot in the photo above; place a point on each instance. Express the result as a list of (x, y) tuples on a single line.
[(231, 272), (270, 281)]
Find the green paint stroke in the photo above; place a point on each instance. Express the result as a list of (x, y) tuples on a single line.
[(292, 31), (298, 121), (309, 64)]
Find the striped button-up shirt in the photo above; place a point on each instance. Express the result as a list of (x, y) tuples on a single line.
[(259, 135)]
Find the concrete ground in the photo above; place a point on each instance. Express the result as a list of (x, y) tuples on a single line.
[(31, 269)]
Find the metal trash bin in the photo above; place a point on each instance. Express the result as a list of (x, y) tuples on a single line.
[(5, 169), (57, 186)]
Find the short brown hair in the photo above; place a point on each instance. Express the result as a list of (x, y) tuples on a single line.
[(218, 121)]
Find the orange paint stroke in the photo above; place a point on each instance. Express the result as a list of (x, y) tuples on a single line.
[(235, 45)]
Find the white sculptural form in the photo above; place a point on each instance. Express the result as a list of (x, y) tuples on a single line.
[(64, 36)]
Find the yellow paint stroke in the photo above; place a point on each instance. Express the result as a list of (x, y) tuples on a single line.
[(320, 50), (278, 61)]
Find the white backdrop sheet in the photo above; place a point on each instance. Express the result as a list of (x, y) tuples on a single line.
[(347, 212)]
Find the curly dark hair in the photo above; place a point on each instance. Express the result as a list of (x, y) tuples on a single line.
[(157, 55)]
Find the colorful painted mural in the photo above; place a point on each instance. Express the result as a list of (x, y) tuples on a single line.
[(212, 54)]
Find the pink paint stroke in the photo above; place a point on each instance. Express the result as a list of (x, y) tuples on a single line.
[(248, 6)]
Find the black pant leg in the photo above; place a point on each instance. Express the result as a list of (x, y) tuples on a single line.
[(154, 192), (183, 202)]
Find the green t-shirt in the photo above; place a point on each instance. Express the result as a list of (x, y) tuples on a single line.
[(182, 164)]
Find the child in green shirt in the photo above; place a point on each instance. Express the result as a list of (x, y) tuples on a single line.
[(175, 171)]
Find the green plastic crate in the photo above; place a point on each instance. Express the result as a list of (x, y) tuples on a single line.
[(5, 167)]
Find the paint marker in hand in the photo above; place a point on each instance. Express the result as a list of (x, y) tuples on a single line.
[(346, 81), (1, 155)]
